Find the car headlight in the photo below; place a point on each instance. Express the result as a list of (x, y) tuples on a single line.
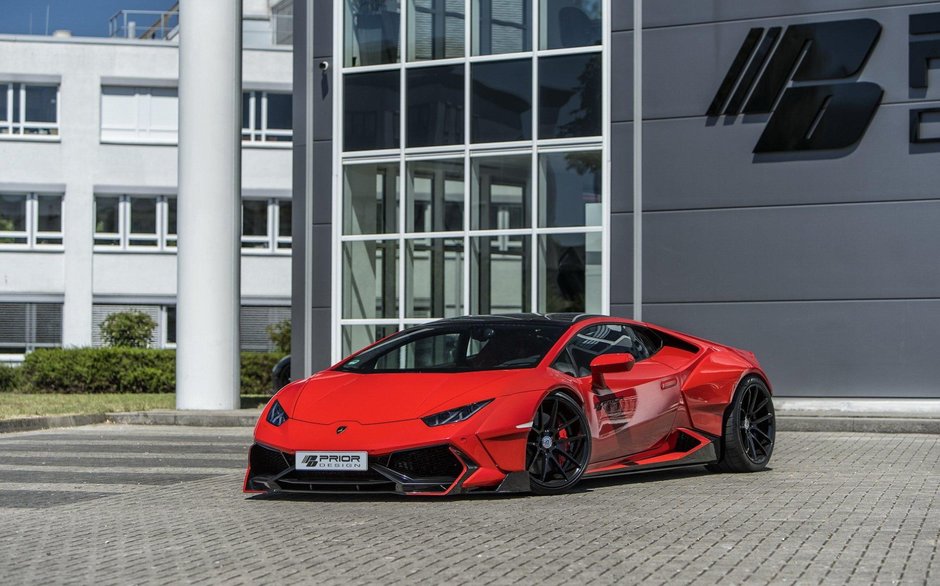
[(454, 415), (276, 415)]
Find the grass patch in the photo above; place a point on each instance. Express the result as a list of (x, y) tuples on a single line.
[(30, 404), (25, 405)]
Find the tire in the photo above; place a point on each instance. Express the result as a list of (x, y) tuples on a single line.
[(558, 448), (747, 441)]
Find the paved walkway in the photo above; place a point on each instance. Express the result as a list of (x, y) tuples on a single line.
[(116, 504)]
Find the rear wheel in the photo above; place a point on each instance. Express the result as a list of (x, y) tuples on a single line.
[(748, 438), (559, 445)]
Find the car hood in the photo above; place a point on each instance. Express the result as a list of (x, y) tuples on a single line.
[(334, 396)]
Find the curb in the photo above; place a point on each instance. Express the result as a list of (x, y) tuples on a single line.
[(189, 418), (248, 418), (48, 422), (858, 424)]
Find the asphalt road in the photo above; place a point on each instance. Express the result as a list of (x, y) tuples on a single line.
[(132, 504)]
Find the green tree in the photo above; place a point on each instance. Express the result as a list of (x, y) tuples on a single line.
[(280, 335), (127, 329)]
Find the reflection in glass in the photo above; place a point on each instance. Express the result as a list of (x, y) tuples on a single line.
[(4, 116), (570, 23), (435, 196), (171, 324), (570, 189), (371, 32), (171, 221), (143, 221), (434, 277), (501, 101), (255, 223), (280, 111), (370, 279), (570, 94), (500, 279), (435, 29), (12, 219), (502, 26), (500, 193), (356, 338), (107, 221), (435, 106), (370, 199), (371, 110), (49, 220), (284, 218), (41, 103), (570, 273)]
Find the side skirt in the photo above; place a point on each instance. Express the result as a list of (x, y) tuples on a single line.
[(691, 449)]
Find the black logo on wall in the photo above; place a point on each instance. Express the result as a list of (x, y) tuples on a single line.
[(923, 49), (803, 77)]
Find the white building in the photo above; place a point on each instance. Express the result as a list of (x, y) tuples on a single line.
[(88, 167)]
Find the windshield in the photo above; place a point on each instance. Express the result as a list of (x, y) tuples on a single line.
[(459, 348)]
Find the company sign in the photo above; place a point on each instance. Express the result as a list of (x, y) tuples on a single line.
[(804, 79)]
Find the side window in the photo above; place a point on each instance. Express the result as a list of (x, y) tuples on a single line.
[(593, 341)]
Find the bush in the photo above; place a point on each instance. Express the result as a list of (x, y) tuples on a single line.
[(10, 378), (127, 329), (280, 335), (125, 370), (256, 372)]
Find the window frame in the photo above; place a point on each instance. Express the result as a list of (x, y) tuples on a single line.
[(138, 134), (274, 241), (16, 127), (32, 234), (401, 155), (254, 136), (164, 241)]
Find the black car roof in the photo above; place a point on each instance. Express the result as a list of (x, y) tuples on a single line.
[(565, 319)]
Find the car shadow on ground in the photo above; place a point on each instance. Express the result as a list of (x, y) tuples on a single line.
[(587, 485)]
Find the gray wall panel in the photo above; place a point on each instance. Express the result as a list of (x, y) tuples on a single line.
[(621, 259), (690, 165), (621, 83), (697, 58), (657, 13), (320, 348), (786, 253), (322, 182), (834, 349), (621, 171), (322, 28)]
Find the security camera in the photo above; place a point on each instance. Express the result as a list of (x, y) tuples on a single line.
[(324, 65)]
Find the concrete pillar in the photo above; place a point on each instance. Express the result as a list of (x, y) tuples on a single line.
[(209, 205)]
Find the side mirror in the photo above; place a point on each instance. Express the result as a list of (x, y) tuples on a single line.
[(610, 363)]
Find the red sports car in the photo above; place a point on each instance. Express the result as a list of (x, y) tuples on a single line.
[(514, 403)]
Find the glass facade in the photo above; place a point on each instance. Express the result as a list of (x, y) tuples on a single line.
[(472, 153)]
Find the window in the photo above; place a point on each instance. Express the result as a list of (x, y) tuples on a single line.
[(266, 225), (435, 29), (502, 26), (597, 340), (371, 33), (139, 114), (267, 116), (473, 157), (29, 109), (27, 326), (459, 348), (32, 220), (135, 222), (570, 23), (253, 324), (283, 16)]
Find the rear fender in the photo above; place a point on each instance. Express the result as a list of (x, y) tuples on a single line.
[(710, 388)]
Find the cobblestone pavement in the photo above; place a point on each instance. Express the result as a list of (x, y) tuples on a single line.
[(120, 505)]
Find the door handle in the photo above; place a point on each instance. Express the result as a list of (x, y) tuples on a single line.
[(669, 383)]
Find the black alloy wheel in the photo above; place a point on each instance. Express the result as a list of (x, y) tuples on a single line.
[(750, 429), (559, 445)]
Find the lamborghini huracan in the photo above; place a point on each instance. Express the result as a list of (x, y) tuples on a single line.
[(514, 403)]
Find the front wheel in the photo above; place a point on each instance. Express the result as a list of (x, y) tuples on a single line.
[(748, 438), (559, 445)]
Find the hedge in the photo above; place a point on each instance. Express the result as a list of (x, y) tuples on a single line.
[(125, 370), (10, 379)]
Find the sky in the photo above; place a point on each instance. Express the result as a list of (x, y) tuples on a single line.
[(85, 18)]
